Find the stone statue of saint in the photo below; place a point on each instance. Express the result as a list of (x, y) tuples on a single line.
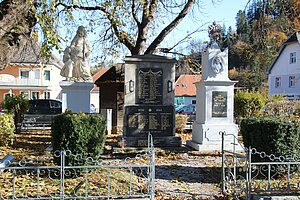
[(67, 70), (76, 66)]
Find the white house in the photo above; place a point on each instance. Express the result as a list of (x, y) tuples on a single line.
[(31, 75), (284, 72)]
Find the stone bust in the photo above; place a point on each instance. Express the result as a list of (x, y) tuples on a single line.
[(217, 64), (76, 66)]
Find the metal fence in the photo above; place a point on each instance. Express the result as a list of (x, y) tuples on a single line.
[(41, 178), (244, 178)]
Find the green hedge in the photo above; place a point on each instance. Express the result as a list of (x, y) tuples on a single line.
[(7, 129), (80, 133), (272, 135), (16, 105), (248, 104)]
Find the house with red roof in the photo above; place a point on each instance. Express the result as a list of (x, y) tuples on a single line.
[(185, 89)]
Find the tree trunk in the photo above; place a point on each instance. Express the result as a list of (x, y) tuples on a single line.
[(16, 22)]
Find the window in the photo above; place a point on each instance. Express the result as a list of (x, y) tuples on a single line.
[(46, 95), (36, 73), (25, 94), (35, 95), (292, 81), (47, 75), (24, 73), (293, 57), (193, 101), (55, 104), (30, 73), (277, 82)]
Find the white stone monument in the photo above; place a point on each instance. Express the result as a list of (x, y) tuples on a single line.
[(78, 85), (76, 96), (215, 97)]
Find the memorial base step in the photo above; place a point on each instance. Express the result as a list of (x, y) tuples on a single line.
[(170, 141), (209, 147)]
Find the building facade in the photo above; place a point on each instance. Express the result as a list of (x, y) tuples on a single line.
[(31, 75), (284, 72), (185, 89)]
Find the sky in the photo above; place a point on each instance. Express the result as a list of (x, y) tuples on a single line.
[(222, 11)]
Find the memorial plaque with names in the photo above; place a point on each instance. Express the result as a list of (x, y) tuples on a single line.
[(219, 104), (150, 86), (140, 120)]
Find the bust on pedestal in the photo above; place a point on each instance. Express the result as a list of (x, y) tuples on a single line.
[(78, 85), (215, 97)]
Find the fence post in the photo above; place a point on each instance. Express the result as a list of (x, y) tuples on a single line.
[(249, 173), (152, 166), (223, 160), (62, 174)]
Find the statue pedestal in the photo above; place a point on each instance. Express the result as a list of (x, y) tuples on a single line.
[(76, 96)]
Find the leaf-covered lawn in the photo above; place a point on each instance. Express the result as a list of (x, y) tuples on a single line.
[(28, 144), (45, 182)]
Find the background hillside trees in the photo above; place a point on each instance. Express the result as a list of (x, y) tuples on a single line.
[(261, 30)]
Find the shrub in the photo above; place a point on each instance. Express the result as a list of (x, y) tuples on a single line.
[(248, 104), (16, 105), (80, 133), (283, 108), (6, 129), (181, 121), (272, 135)]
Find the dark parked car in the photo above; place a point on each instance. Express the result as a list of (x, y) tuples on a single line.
[(186, 109), (45, 106), (41, 112)]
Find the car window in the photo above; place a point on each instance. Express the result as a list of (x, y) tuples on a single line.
[(55, 104)]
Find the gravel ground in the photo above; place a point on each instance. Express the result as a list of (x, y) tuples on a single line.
[(191, 175)]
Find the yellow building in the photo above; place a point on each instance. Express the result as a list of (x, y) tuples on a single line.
[(31, 75)]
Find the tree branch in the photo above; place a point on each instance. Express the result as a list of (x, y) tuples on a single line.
[(167, 50), (134, 13), (148, 16), (122, 36), (170, 27), (77, 6)]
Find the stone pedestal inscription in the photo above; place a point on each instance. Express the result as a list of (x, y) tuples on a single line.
[(140, 120), (150, 86), (149, 101), (219, 104)]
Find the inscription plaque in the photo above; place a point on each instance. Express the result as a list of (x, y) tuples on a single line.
[(140, 120), (150, 86), (219, 104)]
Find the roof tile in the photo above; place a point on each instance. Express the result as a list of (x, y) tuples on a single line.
[(185, 85)]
